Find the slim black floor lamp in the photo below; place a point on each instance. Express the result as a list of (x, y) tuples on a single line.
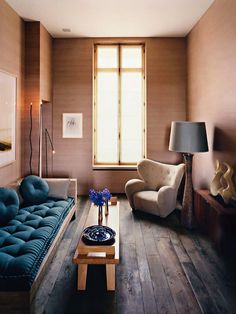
[(47, 137), (188, 138), (30, 139), (43, 133)]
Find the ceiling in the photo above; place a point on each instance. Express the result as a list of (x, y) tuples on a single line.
[(114, 18)]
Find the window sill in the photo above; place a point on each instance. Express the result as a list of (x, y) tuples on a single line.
[(115, 167)]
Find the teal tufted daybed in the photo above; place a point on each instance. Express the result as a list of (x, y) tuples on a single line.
[(27, 245)]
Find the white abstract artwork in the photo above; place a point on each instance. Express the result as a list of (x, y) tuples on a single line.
[(72, 125), (7, 118)]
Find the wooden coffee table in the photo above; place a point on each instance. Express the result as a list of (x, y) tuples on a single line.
[(99, 254)]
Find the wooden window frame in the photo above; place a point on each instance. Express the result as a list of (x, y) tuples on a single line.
[(120, 70)]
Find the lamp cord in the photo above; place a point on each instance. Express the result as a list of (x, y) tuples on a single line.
[(30, 140)]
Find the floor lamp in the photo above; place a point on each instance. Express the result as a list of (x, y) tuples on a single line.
[(47, 137), (188, 138)]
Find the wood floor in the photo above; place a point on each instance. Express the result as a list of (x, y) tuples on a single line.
[(163, 269)]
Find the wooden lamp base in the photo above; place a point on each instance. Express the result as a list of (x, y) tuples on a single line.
[(187, 214)]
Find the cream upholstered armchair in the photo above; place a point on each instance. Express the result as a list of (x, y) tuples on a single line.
[(156, 192)]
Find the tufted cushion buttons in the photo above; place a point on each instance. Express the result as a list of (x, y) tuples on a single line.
[(34, 190), (9, 205), (25, 241)]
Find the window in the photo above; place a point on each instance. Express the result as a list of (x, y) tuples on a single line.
[(119, 104)]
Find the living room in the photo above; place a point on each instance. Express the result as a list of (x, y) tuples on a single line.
[(187, 51)]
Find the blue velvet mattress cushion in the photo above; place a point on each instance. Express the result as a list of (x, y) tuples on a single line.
[(9, 205), (24, 242), (34, 190)]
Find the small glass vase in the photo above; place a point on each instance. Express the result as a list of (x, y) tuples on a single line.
[(106, 208), (99, 214)]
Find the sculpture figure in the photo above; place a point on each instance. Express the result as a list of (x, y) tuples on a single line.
[(229, 192), (222, 183), (216, 183)]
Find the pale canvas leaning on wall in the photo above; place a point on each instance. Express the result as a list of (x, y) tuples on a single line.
[(7, 118)]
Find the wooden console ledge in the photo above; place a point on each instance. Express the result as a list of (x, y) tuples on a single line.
[(218, 221)]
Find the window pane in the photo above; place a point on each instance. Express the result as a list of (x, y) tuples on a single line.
[(131, 57), (131, 117), (107, 117), (107, 57), (119, 104)]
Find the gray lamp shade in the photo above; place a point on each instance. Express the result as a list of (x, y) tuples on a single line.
[(188, 137)]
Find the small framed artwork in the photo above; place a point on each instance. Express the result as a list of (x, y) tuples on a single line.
[(7, 118), (72, 125)]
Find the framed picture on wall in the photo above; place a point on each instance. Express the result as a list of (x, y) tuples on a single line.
[(72, 125), (7, 118)]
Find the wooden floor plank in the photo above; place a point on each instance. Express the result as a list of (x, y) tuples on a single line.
[(182, 293), (66, 281), (221, 266), (222, 278), (204, 245), (201, 294), (154, 225), (145, 277), (163, 297), (179, 249), (126, 221), (147, 230), (128, 286), (82, 203), (59, 301), (160, 264), (205, 274), (79, 226), (47, 285), (129, 293)]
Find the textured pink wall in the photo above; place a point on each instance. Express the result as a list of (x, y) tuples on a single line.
[(212, 86), (12, 61), (73, 92)]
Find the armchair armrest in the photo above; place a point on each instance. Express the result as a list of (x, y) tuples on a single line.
[(166, 200), (133, 186)]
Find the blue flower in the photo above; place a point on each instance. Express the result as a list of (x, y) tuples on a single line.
[(96, 197), (106, 194)]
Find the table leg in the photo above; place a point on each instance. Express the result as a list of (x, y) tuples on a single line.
[(111, 276), (82, 276)]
